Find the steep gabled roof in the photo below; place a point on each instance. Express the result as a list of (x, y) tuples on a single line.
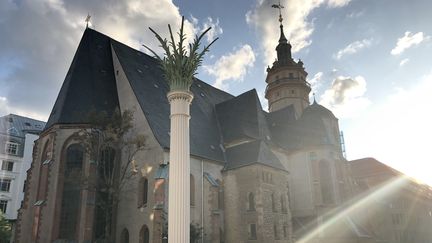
[(150, 88), (216, 116), (256, 152), (89, 84), (242, 118)]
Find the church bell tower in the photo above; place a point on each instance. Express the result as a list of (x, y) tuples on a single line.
[(286, 79)]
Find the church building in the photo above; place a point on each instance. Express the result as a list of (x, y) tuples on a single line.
[(256, 176)]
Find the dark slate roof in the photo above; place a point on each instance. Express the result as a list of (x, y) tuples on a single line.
[(150, 88), (18, 126), (256, 152), (89, 84), (316, 110), (216, 116), (308, 130), (242, 118)]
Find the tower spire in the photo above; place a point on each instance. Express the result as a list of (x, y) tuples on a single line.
[(282, 38)]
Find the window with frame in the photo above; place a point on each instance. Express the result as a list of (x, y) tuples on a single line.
[(3, 205), (273, 202), (7, 165), (251, 202), (142, 192), (275, 231), (283, 204), (285, 230), (192, 190), (5, 185), (11, 148), (71, 195), (252, 232)]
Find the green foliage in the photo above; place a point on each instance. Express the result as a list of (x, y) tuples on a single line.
[(179, 67), (5, 229), (111, 144)]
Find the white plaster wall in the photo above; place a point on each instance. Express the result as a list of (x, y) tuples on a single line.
[(147, 162), (17, 176), (301, 191)]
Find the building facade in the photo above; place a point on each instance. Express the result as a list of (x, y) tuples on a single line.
[(17, 136), (256, 176)]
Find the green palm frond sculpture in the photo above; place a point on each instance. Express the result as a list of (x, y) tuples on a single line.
[(180, 65)]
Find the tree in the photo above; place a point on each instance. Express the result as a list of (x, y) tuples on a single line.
[(111, 145), (5, 229)]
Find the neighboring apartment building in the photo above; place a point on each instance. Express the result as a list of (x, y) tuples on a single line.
[(17, 137), (400, 210)]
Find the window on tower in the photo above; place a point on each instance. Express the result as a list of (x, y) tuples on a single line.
[(251, 202), (252, 232)]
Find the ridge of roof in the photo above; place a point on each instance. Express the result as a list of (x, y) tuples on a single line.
[(254, 152)]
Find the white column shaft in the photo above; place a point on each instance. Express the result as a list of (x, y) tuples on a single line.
[(179, 168)]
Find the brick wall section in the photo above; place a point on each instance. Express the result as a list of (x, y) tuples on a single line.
[(238, 183)]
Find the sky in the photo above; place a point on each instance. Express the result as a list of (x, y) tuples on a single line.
[(369, 61)]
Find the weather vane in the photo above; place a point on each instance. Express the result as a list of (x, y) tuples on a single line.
[(87, 20), (280, 7)]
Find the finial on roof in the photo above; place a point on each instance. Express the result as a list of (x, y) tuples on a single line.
[(282, 38), (87, 20), (314, 102)]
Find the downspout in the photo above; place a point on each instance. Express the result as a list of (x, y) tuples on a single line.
[(202, 201)]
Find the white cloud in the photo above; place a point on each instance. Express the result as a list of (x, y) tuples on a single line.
[(337, 3), (4, 108), (315, 81), (397, 130), (408, 40), (263, 100), (37, 61), (297, 28), (403, 62), (353, 48), (215, 28), (232, 66), (345, 96), (354, 15)]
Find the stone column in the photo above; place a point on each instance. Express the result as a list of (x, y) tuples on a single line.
[(179, 168)]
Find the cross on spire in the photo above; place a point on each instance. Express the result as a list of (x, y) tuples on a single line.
[(87, 20), (280, 7)]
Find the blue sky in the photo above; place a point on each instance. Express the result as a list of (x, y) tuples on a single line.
[(368, 60)]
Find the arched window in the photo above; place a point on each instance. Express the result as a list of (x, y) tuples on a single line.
[(326, 182), (142, 192), (273, 202), (220, 197), (283, 204), (192, 190), (275, 231), (105, 170), (144, 236), (71, 195), (124, 237), (251, 201), (43, 173)]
